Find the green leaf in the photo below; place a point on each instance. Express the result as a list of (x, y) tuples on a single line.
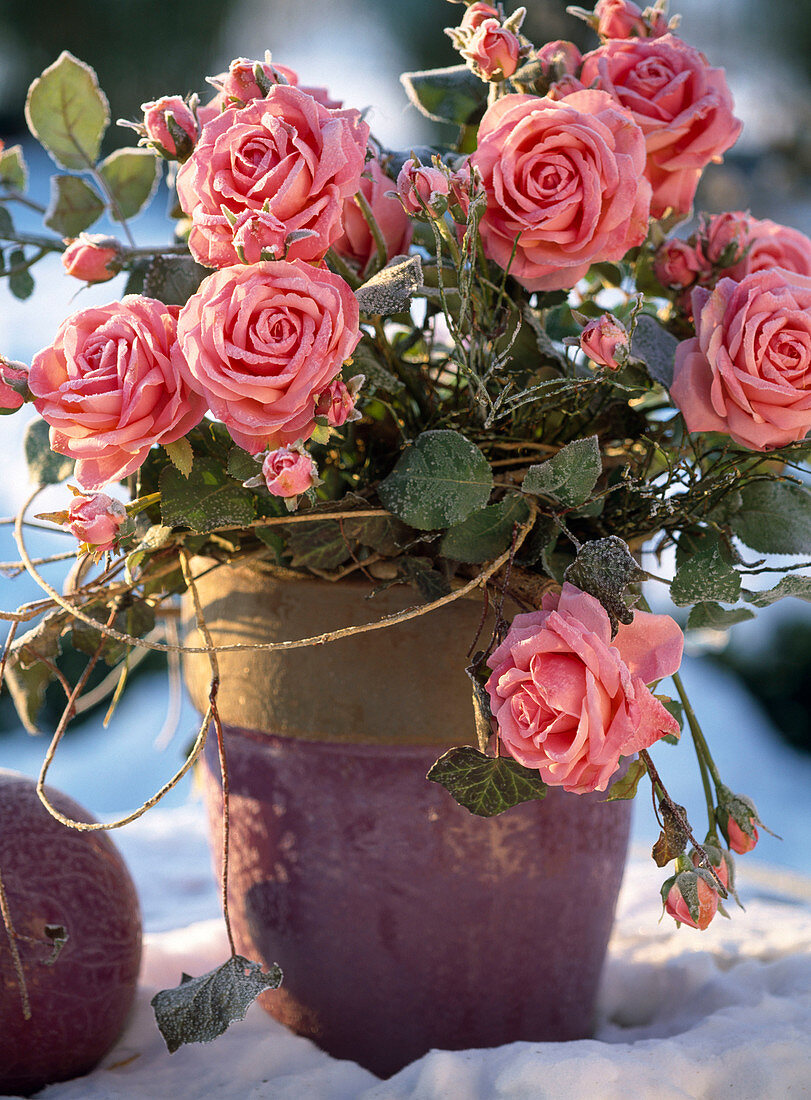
[(438, 481), (208, 498), (711, 616), (604, 568), (200, 1009), (705, 576), (775, 517), (656, 347), (181, 455), (241, 465), (173, 279), (385, 534), (626, 786), (21, 283), (487, 533), (481, 711), (486, 785), (68, 113), (454, 94), (74, 206), (792, 585), (431, 584), (27, 687), (6, 226), (674, 707), (138, 619), (27, 676), (570, 475), (132, 176), (317, 545), (155, 538), (13, 171), (45, 467), (391, 288)]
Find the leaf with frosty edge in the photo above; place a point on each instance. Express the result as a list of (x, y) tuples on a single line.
[(132, 176), (200, 1009), (453, 94), (67, 112), (391, 288), (570, 475), (792, 585), (705, 577), (438, 481), (711, 616), (20, 282), (45, 467), (486, 785), (173, 279), (626, 786), (487, 533), (181, 455), (604, 568), (775, 517), (206, 499), (656, 347), (13, 170), (73, 206)]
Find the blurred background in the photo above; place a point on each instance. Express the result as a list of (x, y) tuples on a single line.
[(752, 693)]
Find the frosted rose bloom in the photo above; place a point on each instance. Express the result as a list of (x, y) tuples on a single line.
[(476, 14), (285, 154), (677, 264), (568, 700), (92, 257), (261, 342), (566, 175), (10, 398), (337, 401), (747, 371), (698, 886), (770, 245), (96, 520), (492, 50), (156, 124), (605, 341), (289, 471), (356, 243), (110, 388), (682, 104)]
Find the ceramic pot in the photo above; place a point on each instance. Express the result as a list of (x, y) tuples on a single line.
[(401, 921)]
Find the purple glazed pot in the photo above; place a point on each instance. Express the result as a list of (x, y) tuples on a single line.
[(401, 921)]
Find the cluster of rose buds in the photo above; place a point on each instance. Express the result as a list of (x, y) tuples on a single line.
[(490, 44), (427, 192)]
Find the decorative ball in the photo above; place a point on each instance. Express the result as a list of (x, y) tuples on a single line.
[(56, 877)]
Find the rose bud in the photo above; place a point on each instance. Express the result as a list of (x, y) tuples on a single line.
[(724, 239), (605, 341), (722, 863), (92, 257), (559, 59), (619, 19), (677, 264), (95, 520), (289, 471), (247, 80), (171, 127), (567, 85), (476, 15), (466, 186), (13, 385), (259, 235), (690, 898), (337, 401), (492, 51), (737, 818), (420, 187)]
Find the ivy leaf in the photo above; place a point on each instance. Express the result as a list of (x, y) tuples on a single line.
[(792, 585), (626, 786), (486, 785), (132, 176), (705, 576), (454, 94), (438, 481), (181, 455), (656, 347), (391, 288), (200, 1009), (711, 616), (485, 534), (173, 279), (13, 170), (74, 206), (67, 112), (774, 518), (570, 475), (206, 499), (45, 467)]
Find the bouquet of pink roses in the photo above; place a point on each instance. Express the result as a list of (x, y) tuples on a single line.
[(492, 357)]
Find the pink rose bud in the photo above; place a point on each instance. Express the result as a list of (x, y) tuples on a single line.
[(465, 185), (289, 471), (567, 85), (559, 59), (690, 898), (95, 520), (724, 238), (605, 341), (677, 264), (259, 235), (476, 15), (619, 19), (92, 257), (171, 127), (337, 401), (737, 819), (247, 80), (13, 385), (416, 182), (492, 51), (721, 862)]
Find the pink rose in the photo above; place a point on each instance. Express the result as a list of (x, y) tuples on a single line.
[(747, 371), (337, 401), (96, 519), (567, 176), (605, 341), (683, 106), (12, 382), (739, 841), (691, 890), (261, 342), (109, 387), (476, 14), (356, 243), (157, 116), (568, 700), (286, 155), (289, 471), (492, 51), (738, 820), (93, 258), (770, 245), (559, 58), (418, 182), (677, 264)]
